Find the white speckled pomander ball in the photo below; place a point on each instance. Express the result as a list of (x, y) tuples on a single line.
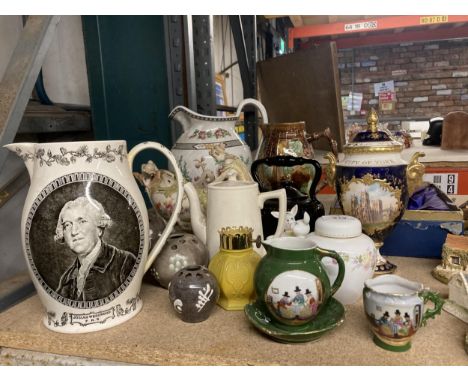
[(181, 250)]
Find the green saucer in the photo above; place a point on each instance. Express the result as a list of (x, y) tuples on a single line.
[(331, 316)]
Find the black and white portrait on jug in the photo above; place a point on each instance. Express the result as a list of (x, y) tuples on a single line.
[(87, 243)]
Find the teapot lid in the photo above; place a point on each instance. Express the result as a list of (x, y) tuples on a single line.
[(230, 184), (372, 140), (338, 226)]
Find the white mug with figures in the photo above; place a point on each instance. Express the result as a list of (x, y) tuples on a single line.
[(396, 308), (85, 231)]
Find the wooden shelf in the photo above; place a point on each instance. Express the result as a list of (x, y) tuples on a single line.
[(157, 337)]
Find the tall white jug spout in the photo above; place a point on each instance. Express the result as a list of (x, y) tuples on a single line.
[(26, 151)]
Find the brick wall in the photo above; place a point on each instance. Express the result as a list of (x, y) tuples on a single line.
[(431, 78)]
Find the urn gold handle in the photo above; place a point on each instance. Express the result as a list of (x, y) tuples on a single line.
[(330, 170), (415, 172)]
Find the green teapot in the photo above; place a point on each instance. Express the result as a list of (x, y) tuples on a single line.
[(291, 282)]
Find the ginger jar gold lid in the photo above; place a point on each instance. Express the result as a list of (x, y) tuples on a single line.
[(372, 140), (338, 226)]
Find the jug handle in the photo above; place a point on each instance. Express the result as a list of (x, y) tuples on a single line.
[(257, 104), (289, 161), (324, 134), (281, 196), (341, 267), (180, 186), (438, 303)]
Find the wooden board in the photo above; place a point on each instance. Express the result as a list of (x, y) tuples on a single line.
[(304, 86), (156, 336)]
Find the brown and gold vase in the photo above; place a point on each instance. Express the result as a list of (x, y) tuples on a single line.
[(289, 139)]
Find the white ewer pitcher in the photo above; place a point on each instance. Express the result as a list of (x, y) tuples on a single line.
[(85, 231)]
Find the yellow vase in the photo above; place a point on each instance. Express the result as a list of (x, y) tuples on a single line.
[(234, 267)]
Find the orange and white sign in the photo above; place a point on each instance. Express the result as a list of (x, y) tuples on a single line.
[(366, 25), (433, 19)]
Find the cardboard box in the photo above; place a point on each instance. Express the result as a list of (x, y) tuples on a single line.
[(422, 233)]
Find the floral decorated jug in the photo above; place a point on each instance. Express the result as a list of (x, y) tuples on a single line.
[(85, 231), (161, 187), (210, 146)]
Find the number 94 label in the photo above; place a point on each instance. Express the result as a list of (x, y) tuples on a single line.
[(447, 182)]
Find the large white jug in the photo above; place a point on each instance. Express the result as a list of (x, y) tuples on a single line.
[(85, 231)]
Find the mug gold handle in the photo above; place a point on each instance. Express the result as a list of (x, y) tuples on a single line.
[(341, 267)]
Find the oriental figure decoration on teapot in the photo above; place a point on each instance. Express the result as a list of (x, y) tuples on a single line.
[(161, 188), (373, 182)]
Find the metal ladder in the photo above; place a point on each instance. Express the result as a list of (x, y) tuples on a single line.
[(15, 90)]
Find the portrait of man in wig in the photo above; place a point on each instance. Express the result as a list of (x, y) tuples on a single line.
[(99, 268)]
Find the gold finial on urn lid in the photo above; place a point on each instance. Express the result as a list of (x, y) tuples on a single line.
[(235, 238), (372, 121)]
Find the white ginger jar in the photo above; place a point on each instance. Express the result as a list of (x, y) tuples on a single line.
[(343, 234)]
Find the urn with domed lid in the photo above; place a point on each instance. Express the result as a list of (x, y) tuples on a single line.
[(373, 182)]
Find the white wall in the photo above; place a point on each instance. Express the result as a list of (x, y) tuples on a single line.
[(66, 81), (10, 30), (224, 42), (64, 67)]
